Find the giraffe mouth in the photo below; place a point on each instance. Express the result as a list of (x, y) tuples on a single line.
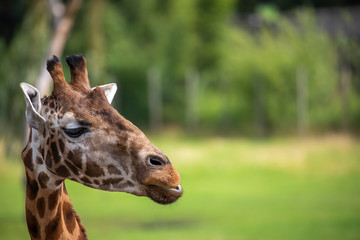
[(163, 195)]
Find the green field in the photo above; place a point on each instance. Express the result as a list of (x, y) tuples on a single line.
[(283, 188)]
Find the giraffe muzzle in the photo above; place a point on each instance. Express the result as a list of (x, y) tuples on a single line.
[(164, 195)]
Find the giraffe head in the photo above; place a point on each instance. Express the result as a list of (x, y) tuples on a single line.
[(83, 138)]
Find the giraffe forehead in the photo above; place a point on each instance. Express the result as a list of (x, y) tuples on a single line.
[(73, 106), (73, 110), (98, 114), (69, 120)]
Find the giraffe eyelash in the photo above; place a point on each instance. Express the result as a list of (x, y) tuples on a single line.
[(75, 132)]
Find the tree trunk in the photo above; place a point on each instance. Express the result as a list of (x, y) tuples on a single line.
[(302, 101), (192, 97), (259, 106), (63, 19), (154, 98), (61, 32), (345, 81)]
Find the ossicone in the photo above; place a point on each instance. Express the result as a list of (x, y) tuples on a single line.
[(78, 71), (55, 69)]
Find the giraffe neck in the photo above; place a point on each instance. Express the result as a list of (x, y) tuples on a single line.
[(49, 213)]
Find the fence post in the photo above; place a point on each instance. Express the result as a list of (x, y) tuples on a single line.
[(345, 81), (302, 100), (192, 97), (154, 98), (259, 106), (224, 120)]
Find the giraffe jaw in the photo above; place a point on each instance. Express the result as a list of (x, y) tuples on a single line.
[(163, 195)]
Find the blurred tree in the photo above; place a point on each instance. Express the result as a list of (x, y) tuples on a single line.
[(245, 80), (250, 6), (20, 62), (63, 19)]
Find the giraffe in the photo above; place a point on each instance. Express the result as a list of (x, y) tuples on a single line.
[(76, 134)]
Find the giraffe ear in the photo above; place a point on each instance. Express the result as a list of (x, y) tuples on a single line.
[(33, 105), (110, 90)]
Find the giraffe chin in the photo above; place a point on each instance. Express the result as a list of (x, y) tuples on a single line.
[(163, 195)]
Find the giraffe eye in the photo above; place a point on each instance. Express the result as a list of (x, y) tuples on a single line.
[(75, 132)]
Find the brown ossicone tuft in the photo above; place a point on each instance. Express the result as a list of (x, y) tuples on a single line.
[(55, 69), (78, 71)]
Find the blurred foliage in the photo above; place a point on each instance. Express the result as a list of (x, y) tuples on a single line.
[(250, 6), (274, 57), (122, 40)]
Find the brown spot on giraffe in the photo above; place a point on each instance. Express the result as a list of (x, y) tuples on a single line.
[(33, 224), (48, 160), (40, 151), (55, 152), (61, 145), (44, 134), (62, 171), (32, 188), (53, 229), (52, 105), (69, 217), (53, 199), (43, 179), (94, 170), (122, 184), (129, 184), (112, 181), (113, 170), (39, 160), (40, 206), (58, 182), (75, 158), (28, 161), (85, 180)]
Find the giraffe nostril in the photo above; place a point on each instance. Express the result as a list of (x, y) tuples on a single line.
[(155, 161)]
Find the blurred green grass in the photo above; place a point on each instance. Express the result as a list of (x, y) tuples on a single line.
[(279, 188)]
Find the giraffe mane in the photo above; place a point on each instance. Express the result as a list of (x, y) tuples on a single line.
[(82, 228)]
